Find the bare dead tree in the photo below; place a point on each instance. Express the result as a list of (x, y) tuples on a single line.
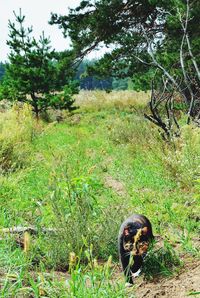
[(162, 110), (162, 102), (191, 84)]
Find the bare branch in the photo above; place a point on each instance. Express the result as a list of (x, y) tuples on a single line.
[(189, 46)]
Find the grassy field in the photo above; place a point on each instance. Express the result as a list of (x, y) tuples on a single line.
[(82, 177)]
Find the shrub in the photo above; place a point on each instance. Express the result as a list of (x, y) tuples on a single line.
[(81, 223)]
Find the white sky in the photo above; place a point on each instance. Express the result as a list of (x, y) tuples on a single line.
[(37, 14)]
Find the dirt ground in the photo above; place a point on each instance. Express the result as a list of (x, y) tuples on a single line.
[(115, 185), (187, 281)]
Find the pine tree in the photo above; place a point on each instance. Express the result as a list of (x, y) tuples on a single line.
[(36, 74)]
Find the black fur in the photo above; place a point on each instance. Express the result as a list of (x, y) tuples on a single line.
[(134, 222)]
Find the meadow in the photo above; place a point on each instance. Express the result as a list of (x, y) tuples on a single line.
[(76, 180)]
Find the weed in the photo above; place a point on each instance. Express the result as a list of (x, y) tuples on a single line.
[(160, 262)]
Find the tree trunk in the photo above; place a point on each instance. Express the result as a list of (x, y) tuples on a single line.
[(35, 105)]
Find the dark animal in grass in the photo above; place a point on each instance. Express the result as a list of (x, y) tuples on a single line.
[(134, 238)]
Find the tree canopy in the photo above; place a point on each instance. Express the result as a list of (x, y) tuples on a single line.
[(130, 28)]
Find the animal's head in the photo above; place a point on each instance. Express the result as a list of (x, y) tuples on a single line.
[(135, 239)]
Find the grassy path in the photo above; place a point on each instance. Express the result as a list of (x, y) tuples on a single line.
[(97, 147), (111, 158)]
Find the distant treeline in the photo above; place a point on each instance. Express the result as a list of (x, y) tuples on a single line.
[(2, 70), (91, 82)]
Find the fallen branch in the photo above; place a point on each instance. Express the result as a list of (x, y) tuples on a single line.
[(31, 230), (23, 238)]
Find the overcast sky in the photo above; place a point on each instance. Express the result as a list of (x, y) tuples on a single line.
[(37, 14)]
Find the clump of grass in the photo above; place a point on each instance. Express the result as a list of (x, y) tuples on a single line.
[(94, 283), (94, 280), (75, 212), (161, 261), (16, 134)]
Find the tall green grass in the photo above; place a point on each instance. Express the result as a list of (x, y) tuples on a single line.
[(67, 175), (17, 129)]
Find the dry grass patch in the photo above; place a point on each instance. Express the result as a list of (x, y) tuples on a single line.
[(98, 100)]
